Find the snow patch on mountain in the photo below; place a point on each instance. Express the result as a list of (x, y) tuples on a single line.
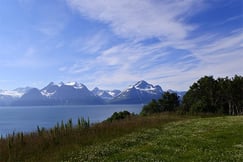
[(105, 94), (52, 88), (144, 86), (76, 85), (149, 88), (47, 94), (114, 93), (16, 93), (11, 93)]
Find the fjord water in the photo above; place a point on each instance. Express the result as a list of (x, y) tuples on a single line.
[(26, 119)]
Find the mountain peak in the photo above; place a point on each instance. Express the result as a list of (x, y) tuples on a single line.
[(105, 94), (76, 85), (60, 84), (142, 82), (95, 89), (144, 85), (141, 92), (50, 84)]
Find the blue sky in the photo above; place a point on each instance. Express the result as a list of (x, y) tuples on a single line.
[(114, 43)]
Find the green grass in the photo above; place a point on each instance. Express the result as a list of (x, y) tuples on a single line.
[(159, 137), (202, 139)]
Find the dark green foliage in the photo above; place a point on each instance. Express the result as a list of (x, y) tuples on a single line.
[(151, 108), (168, 102), (120, 115), (201, 96), (207, 95)]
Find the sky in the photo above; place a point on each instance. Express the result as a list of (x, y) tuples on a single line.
[(112, 44)]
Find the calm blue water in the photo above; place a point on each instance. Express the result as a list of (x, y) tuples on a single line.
[(26, 119)]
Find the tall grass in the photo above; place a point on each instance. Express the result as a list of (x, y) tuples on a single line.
[(53, 144)]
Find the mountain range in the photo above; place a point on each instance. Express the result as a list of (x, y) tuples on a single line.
[(140, 93), (74, 93)]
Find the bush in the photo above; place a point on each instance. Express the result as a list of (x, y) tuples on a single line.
[(120, 115)]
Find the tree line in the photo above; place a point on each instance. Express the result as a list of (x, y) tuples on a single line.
[(207, 95)]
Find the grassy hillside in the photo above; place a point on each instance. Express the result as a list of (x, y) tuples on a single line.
[(159, 137), (54, 144), (203, 139)]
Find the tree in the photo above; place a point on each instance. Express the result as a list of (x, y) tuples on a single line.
[(151, 108), (237, 95), (169, 101), (208, 95)]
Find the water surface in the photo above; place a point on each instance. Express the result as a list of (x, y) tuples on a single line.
[(26, 119)]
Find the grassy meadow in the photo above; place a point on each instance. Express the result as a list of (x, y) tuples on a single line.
[(160, 137), (202, 139)]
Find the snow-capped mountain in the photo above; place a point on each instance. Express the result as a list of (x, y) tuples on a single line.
[(140, 93), (149, 88), (52, 89), (105, 94), (74, 93), (65, 90), (71, 93)]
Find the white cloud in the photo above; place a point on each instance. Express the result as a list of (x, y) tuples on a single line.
[(154, 63), (173, 62), (141, 19), (91, 44)]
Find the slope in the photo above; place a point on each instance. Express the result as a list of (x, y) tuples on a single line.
[(204, 139)]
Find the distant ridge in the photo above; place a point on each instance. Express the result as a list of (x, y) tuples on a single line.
[(74, 93), (71, 93)]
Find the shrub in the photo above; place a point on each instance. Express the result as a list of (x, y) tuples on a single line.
[(120, 115)]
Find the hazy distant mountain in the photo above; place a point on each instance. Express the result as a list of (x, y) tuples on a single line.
[(140, 93), (7, 97), (23, 90), (16, 93), (105, 94), (32, 97), (6, 100), (73, 93)]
